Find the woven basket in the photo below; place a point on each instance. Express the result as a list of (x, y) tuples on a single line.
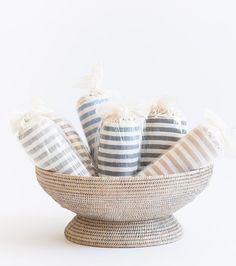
[(124, 211)]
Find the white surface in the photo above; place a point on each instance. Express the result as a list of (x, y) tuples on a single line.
[(181, 48)]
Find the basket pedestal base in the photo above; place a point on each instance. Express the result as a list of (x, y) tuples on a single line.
[(111, 234)]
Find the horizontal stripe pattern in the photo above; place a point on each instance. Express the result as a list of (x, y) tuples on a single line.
[(119, 148), (159, 135), (77, 143), (89, 118), (46, 144), (195, 150)]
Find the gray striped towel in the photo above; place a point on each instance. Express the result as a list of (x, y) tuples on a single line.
[(46, 144), (196, 150), (87, 106), (89, 118), (76, 142), (160, 133), (119, 148)]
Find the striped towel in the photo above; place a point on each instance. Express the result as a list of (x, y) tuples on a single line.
[(46, 144), (82, 150), (160, 134), (87, 106), (196, 150), (119, 148), (89, 118)]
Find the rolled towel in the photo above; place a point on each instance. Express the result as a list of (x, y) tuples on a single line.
[(163, 127), (196, 150), (87, 105), (119, 143), (46, 144), (81, 149)]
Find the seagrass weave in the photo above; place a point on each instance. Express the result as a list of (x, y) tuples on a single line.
[(123, 234), (124, 211)]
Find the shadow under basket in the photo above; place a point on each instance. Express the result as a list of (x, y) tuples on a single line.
[(124, 211)]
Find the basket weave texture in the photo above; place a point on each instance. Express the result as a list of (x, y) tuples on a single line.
[(124, 211)]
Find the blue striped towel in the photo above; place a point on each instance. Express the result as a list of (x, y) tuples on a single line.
[(160, 133), (119, 148), (90, 119), (46, 144)]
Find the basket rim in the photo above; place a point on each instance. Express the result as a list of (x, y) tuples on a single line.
[(40, 171)]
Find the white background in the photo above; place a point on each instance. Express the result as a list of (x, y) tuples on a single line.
[(182, 48)]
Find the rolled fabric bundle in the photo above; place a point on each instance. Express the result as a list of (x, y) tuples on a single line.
[(87, 105), (81, 149), (46, 144), (196, 150), (163, 127), (119, 143)]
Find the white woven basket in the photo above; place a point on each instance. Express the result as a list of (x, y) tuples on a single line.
[(124, 211)]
